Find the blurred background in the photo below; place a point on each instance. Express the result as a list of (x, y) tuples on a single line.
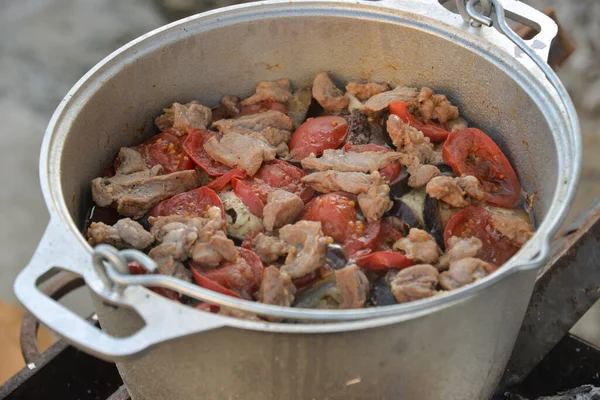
[(47, 45)]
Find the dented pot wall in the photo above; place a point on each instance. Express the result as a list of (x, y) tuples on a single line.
[(454, 349)]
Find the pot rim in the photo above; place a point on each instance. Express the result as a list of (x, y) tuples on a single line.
[(449, 29)]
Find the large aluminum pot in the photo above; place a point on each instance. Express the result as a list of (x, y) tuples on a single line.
[(449, 347)]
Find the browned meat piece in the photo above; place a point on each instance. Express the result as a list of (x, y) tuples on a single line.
[(130, 161), (168, 266), (276, 288), (415, 283), (232, 312), (239, 151), (333, 181), (353, 286), (308, 247), (269, 248), (230, 106), (364, 91), (421, 174), (199, 238), (419, 246), (298, 106), (435, 106), (275, 136), (456, 192), (256, 122), (381, 101), (344, 161), (376, 201), (459, 248), (457, 124), (133, 195), (327, 94), (164, 121), (282, 208), (359, 128), (411, 141), (465, 271), (511, 227), (278, 91), (126, 233)]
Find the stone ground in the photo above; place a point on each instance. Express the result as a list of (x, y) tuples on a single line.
[(47, 45)]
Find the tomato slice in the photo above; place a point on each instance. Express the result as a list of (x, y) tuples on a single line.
[(164, 149), (317, 135), (248, 197), (432, 130), (470, 151), (474, 221), (278, 174), (391, 172), (194, 203), (263, 106), (193, 147), (219, 184), (388, 237), (382, 260), (240, 278), (362, 243), (306, 280), (336, 212)]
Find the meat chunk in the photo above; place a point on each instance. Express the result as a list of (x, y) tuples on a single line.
[(344, 161), (239, 151), (130, 161), (381, 101), (298, 106), (411, 141), (277, 91), (308, 247), (269, 248), (435, 106), (459, 248), (421, 174), (282, 208), (457, 124), (333, 181), (415, 283), (419, 246), (191, 116), (364, 91), (456, 192), (230, 106), (275, 136), (376, 201), (232, 312), (133, 195), (126, 233), (327, 94), (199, 238), (353, 286), (256, 122), (276, 288), (465, 271), (359, 128), (515, 229), (168, 266)]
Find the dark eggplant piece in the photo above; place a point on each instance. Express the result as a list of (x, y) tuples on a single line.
[(144, 222), (381, 294), (433, 220), (323, 294), (379, 133), (402, 217), (445, 169), (400, 187), (314, 110), (336, 257)]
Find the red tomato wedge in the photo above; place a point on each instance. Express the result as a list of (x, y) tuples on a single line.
[(335, 212), (164, 149), (277, 174), (382, 260), (391, 172), (219, 184), (469, 151), (248, 197), (317, 135), (194, 203), (193, 147), (262, 107), (240, 278), (388, 237), (474, 221), (363, 241), (432, 130)]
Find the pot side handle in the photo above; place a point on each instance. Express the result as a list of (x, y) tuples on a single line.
[(57, 251)]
